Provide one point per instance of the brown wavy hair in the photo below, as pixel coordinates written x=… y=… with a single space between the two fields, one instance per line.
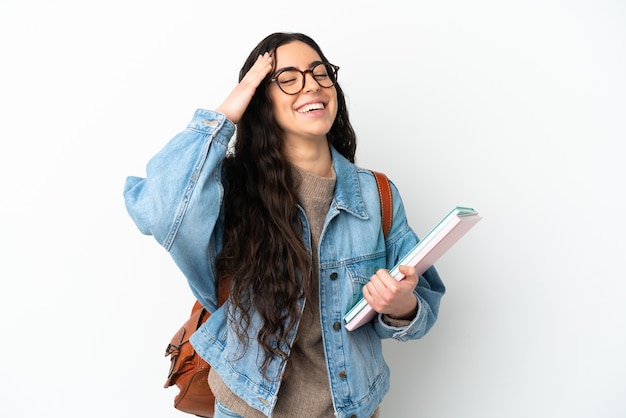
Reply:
x=263 y=250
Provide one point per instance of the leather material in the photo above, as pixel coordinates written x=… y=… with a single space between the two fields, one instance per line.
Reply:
x=386 y=202
x=188 y=370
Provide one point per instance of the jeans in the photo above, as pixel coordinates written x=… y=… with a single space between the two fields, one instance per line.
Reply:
x=222 y=412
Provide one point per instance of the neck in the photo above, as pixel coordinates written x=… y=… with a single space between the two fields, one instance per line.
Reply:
x=314 y=158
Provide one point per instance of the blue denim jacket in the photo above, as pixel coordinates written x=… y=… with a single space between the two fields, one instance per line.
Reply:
x=179 y=204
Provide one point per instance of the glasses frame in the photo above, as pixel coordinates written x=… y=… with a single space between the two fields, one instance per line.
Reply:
x=335 y=70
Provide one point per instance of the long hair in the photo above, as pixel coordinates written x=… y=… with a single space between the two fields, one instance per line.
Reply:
x=263 y=252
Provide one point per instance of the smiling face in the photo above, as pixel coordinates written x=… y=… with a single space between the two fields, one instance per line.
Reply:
x=309 y=114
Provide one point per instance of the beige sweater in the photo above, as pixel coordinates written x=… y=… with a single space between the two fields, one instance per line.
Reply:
x=305 y=389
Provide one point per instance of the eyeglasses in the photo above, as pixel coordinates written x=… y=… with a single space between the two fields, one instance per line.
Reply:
x=291 y=80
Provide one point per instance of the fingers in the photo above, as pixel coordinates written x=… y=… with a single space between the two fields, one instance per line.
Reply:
x=261 y=68
x=377 y=291
x=382 y=287
x=383 y=282
x=263 y=61
x=238 y=100
x=385 y=294
x=409 y=274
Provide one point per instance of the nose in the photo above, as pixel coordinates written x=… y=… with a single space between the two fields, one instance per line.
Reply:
x=310 y=84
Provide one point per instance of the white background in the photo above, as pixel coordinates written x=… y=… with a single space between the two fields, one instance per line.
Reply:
x=514 y=108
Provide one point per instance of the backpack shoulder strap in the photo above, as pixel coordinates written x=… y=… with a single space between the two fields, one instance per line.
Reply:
x=386 y=202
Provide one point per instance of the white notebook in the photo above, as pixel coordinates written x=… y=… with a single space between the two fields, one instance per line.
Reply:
x=428 y=250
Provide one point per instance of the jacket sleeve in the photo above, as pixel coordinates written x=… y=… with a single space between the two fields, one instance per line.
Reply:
x=179 y=201
x=430 y=288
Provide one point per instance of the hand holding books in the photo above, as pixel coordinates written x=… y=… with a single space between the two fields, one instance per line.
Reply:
x=428 y=250
x=394 y=297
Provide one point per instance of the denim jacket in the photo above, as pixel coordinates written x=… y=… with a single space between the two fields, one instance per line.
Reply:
x=179 y=203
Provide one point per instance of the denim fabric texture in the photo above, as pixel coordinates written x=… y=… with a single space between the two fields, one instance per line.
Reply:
x=179 y=204
x=222 y=411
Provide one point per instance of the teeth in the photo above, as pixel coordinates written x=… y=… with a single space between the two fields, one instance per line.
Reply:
x=310 y=107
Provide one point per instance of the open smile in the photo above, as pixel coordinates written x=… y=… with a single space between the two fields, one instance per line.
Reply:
x=310 y=107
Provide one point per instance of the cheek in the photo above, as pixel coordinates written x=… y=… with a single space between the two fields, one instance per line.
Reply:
x=282 y=113
x=280 y=107
x=335 y=105
x=334 y=111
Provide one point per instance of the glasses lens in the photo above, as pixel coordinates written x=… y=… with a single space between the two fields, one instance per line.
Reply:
x=290 y=81
x=324 y=74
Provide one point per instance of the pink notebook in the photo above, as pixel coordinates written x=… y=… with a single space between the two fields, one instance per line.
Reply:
x=439 y=240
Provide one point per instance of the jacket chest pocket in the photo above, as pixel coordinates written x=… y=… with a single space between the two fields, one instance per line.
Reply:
x=360 y=272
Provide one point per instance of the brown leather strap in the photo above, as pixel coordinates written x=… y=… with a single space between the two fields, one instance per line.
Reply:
x=386 y=205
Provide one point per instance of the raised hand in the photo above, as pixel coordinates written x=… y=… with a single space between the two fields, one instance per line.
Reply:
x=237 y=101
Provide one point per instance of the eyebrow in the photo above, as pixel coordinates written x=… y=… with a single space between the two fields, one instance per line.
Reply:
x=311 y=65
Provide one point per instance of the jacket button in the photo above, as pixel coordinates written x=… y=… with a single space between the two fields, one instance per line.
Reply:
x=333 y=276
x=352 y=416
x=337 y=326
x=343 y=374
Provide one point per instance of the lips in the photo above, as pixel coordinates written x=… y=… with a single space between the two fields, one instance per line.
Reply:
x=310 y=107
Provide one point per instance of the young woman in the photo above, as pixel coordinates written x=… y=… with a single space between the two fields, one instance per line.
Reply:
x=287 y=221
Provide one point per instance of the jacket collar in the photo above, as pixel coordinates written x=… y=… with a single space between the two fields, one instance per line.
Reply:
x=348 y=194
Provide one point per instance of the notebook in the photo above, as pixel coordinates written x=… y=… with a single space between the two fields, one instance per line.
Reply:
x=428 y=250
